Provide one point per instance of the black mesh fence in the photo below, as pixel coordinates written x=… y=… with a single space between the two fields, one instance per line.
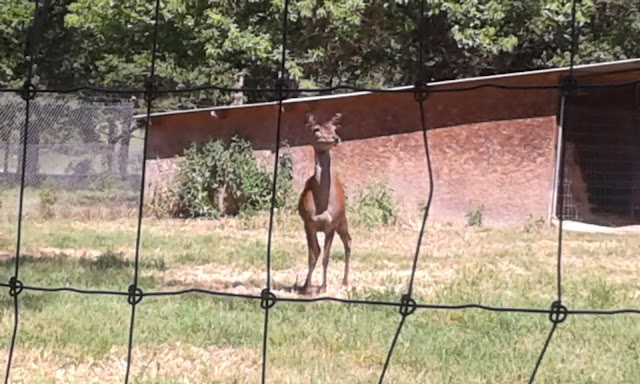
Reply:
x=70 y=145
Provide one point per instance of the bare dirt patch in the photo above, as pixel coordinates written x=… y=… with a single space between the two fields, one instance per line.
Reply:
x=251 y=281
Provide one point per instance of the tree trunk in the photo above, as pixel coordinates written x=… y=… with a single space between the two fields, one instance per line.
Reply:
x=6 y=141
x=32 y=164
x=123 y=154
x=111 y=143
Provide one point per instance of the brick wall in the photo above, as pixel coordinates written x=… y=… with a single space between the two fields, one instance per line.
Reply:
x=490 y=146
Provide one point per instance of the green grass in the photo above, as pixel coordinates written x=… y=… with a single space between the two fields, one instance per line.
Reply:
x=220 y=339
x=347 y=343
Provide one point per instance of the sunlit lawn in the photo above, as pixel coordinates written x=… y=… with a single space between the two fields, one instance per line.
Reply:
x=68 y=337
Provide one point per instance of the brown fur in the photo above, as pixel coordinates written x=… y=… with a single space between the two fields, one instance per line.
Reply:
x=322 y=202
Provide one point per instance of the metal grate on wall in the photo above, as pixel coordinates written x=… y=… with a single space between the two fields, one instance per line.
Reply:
x=569 y=208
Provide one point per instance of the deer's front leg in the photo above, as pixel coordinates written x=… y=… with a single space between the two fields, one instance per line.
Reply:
x=328 y=239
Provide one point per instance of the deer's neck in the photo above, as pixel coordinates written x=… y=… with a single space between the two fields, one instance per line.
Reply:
x=322 y=171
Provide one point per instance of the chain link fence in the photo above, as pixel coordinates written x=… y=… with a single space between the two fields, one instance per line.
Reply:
x=71 y=144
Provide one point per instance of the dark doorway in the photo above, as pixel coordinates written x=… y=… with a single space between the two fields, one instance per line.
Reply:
x=602 y=156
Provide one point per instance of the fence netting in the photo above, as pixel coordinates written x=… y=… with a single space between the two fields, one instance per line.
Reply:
x=94 y=144
x=67 y=137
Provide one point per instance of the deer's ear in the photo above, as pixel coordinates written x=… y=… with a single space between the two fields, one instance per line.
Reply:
x=337 y=120
x=309 y=120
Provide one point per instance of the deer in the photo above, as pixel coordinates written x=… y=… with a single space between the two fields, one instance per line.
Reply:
x=322 y=202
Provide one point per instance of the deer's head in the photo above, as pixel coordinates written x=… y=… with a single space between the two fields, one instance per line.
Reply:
x=324 y=133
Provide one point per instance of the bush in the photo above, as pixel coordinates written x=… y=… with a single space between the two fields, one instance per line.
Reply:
x=534 y=224
x=162 y=204
x=48 y=199
x=218 y=178
x=286 y=197
x=475 y=216
x=374 y=205
x=107 y=181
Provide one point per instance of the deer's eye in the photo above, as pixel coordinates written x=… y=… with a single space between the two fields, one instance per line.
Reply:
x=316 y=129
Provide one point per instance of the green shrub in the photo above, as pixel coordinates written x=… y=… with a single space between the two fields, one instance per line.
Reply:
x=286 y=196
x=107 y=181
x=374 y=205
x=162 y=203
x=534 y=224
x=475 y=216
x=48 y=199
x=218 y=178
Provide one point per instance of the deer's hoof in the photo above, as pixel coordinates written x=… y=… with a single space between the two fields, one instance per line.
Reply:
x=321 y=289
x=347 y=287
x=305 y=289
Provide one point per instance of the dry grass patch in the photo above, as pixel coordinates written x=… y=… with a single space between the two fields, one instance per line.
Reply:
x=252 y=280
x=175 y=362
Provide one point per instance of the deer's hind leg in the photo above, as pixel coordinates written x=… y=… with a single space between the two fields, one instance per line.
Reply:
x=343 y=232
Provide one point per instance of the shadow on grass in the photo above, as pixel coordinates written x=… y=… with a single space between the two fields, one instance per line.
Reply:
x=105 y=261
x=27 y=301
x=108 y=272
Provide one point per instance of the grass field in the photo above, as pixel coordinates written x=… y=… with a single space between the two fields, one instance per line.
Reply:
x=73 y=338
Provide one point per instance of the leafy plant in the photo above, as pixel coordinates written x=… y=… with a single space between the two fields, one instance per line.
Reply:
x=219 y=178
x=106 y=181
x=475 y=216
x=534 y=224
x=196 y=180
x=285 y=194
x=162 y=203
x=374 y=205
x=48 y=199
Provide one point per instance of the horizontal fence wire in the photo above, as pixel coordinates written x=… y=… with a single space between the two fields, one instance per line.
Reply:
x=308 y=300
x=406 y=305
x=432 y=88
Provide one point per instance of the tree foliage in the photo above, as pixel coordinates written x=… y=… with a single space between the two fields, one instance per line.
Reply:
x=367 y=43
